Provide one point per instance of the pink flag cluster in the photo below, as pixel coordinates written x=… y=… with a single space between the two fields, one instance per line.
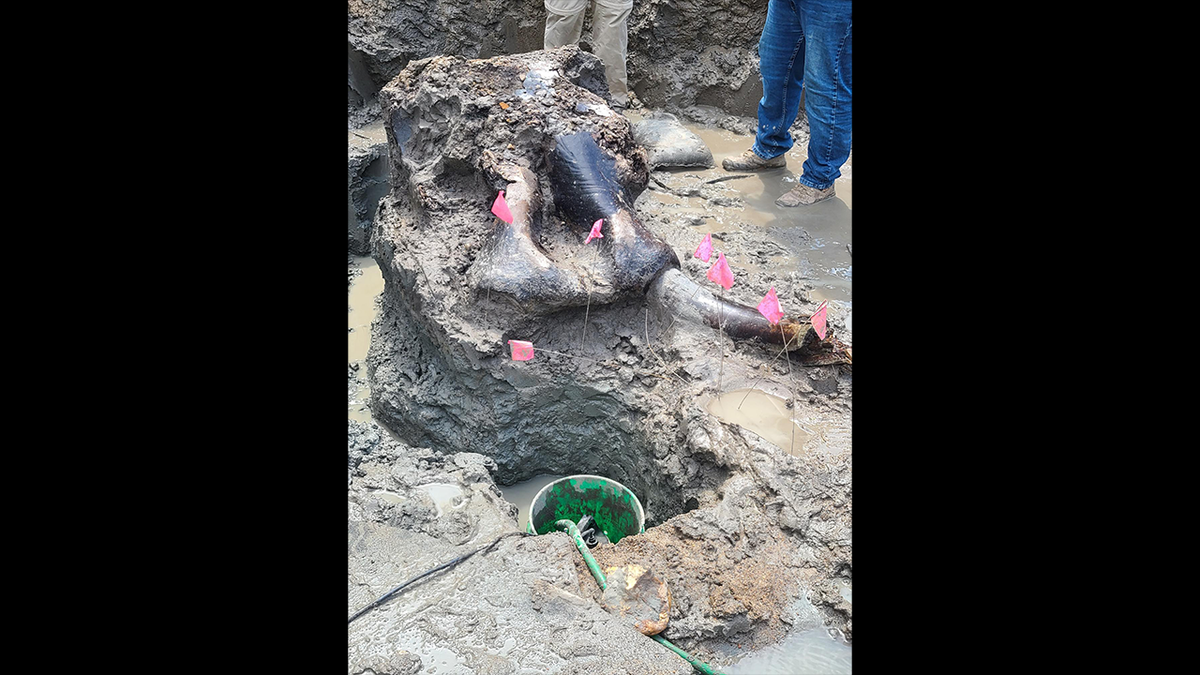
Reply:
x=720 y=273
x=769 y=306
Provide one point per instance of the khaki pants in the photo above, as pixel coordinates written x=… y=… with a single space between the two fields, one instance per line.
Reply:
x=610 y=36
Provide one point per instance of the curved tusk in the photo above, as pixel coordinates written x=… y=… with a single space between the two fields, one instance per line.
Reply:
x=686 y=299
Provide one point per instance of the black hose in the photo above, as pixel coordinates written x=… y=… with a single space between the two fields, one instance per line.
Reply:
x=383 y=598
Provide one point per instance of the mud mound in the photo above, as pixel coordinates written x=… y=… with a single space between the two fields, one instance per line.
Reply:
x=384 y=35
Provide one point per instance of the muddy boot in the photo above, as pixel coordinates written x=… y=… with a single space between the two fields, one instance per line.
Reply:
x=749 y=161
x=803 y=195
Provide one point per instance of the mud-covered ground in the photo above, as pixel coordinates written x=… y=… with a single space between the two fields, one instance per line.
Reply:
x=740 y=530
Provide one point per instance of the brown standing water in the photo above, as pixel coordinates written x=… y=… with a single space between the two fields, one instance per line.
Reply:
x=815 y=237
x=764 y=414
x=363 y=291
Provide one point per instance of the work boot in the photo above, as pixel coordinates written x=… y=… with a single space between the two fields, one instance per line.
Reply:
x=749 y=161
x=803 y=195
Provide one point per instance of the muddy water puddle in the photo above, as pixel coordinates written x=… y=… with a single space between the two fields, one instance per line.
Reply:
x=446 y=497
x=388 y=497
x=763 y=414
x=809 y=652
x=815 y=236
x=364 y=289
x=522 y=494
x=813 y=648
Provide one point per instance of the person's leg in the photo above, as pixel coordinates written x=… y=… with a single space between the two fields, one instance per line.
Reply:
x=564 y=22
x=781 y=64
x=610 y=41
x=781 y=61
x=828 y=87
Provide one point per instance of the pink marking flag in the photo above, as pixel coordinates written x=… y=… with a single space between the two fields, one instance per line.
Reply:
x=818 y=320
x=769 y=307
x=595 y=233
x=720 y=272
x=500 y=208
x=521 y=350
x=704 y=250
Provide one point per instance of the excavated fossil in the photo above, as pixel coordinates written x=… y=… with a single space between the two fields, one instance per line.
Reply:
x=534 y=126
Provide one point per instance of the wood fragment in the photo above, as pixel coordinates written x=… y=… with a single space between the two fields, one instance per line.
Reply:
x=724 y=178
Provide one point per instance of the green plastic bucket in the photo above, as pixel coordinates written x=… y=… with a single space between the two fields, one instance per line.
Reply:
x=616 y=509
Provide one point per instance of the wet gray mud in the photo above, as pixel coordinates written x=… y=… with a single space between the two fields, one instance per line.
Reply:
x=685 y=56
x=751 y=534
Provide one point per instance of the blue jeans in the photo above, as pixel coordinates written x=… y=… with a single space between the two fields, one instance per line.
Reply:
x=805 y=45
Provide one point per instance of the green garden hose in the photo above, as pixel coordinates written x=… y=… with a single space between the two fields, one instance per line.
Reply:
x=698 y=665
x=592 y=565
x=587 y=555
